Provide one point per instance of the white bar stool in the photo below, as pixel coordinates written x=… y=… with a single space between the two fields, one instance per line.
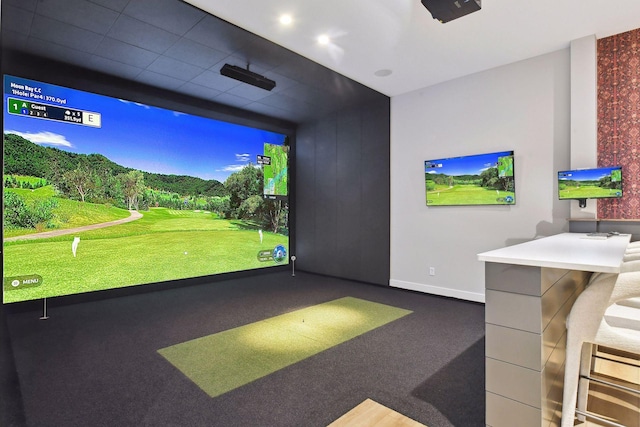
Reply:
x=587 y=325
x=631 y=256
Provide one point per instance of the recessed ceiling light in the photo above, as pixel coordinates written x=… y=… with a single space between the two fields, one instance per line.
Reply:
x=286 y=19
x=383 y=73
x=324 y=39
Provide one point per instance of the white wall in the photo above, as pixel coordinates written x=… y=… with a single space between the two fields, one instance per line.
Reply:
x=584 y=114
x=523 y=107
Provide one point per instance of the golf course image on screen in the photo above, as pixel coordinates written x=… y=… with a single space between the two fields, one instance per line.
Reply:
x=102 y=193
x=593 y=183
x=276 y=172
x=480 y=179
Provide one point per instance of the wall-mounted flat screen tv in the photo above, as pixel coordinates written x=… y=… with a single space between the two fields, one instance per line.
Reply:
x=102 y=193
x=479 y=179
x=593 y=183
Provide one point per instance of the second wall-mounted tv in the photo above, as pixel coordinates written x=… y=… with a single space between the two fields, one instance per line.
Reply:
x=479 y=179
x=591 y=183
x=103 y=193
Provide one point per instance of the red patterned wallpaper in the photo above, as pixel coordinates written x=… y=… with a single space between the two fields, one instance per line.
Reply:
x=619 y=119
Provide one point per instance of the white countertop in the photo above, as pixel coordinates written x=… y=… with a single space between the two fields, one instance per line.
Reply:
x=571 y=251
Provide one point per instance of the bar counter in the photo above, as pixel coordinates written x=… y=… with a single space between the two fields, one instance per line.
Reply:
x=529 y=290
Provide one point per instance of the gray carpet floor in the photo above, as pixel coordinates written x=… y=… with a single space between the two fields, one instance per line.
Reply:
x=96 y=363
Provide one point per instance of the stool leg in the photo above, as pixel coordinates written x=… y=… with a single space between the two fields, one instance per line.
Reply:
x=583 y=383
x=571 y=374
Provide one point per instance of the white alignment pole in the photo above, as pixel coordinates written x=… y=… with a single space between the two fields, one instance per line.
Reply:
x=44 y=310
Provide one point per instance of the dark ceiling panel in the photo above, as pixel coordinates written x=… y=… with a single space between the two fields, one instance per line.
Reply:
x=195 y=53
x=51 y=30
x=171 y=15
x=20 y=22
x=282 y=83
x=174 y=68
x=58 y=52
x=214 y=80
x=239 y=60
x=257 y=107
x=80 y=13
x=125 y=53
x=228 y=98
x=13 y=39
x=171 y=45
x=141 y=34
x=298 y=68
x=117 y=5
x=199 y=91
x=219 y=35
x=24 y=4
x=110 y=66
x=287 y=103
x=159 y=80
x=249 y=92
x=266 y=54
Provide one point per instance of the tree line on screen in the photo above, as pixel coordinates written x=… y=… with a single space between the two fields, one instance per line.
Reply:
x=93 y=178
x=604 y=182
x=489 y=178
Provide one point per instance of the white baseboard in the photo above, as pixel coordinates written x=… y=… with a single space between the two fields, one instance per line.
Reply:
x=436 y=290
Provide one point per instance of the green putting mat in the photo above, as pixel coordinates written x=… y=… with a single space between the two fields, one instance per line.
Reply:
x=224 y=361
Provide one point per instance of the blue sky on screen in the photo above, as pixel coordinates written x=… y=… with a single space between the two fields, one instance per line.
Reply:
x=465 y=165
x=586 y=174
x=142 y=137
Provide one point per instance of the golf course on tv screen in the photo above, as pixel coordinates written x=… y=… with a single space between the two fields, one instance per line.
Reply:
x=595 y=183
x=102 y=193
x=480 y=179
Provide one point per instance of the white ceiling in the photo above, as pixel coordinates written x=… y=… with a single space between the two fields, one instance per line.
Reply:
x=401 y=36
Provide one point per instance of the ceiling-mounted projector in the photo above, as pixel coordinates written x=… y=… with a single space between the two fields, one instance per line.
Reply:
x=448 y=10
x=246 y=76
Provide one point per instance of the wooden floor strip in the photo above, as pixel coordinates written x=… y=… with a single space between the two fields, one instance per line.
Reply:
x=621 y=407
x=372 y=414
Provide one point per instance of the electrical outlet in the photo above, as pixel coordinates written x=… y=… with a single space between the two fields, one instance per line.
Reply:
x=432 y=271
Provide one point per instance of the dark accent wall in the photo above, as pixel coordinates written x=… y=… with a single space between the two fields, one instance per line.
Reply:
x=342 y=197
